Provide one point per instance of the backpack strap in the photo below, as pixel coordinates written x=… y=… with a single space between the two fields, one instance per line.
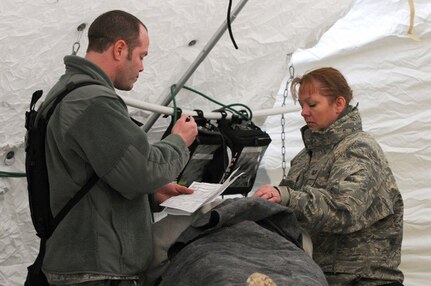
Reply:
x=73 y=201
x=91 y=182
x=69 y=88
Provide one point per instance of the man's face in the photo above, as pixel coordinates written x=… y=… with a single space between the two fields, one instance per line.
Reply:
x=132 y=64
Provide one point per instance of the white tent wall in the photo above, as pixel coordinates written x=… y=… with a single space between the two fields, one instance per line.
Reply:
x=37 y=34
x=390 y=75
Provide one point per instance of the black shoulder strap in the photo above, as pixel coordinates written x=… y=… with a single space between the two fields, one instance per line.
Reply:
x=73 y=201
x=91 y=182
x=69 y=87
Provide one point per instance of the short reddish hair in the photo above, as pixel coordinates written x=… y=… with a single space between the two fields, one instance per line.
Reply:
x=330 y=82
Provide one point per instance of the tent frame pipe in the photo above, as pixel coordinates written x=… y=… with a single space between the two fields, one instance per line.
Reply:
x=205 y=51
x=159 y=109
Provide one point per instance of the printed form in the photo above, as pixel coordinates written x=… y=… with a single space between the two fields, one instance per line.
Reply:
x=202 y=193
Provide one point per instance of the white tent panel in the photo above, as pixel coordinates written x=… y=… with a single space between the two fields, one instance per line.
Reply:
x=36 y=35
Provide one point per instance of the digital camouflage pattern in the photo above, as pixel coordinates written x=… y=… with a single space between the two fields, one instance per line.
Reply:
x=345 y=195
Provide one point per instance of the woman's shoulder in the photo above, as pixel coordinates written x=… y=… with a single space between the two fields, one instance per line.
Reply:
x=360 y=142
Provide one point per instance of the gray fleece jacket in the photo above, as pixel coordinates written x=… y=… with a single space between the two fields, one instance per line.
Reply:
x=108 y=232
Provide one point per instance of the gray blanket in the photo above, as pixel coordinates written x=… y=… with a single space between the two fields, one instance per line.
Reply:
x=237 y=238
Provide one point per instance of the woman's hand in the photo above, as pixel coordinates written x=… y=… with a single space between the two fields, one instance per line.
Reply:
x=269 y=193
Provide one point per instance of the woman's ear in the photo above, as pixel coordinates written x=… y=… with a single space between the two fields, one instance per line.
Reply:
x=340 y=104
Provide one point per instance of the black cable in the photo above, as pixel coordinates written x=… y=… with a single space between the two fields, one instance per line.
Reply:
x=229 y=25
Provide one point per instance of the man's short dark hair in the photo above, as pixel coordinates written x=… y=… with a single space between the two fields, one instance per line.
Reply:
x=112 y=26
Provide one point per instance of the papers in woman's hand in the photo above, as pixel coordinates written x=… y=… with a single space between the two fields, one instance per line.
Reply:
x=203 y=193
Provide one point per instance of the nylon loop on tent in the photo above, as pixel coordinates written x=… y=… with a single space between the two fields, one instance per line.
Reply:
x=283 y=119
x=76 y=45
x=412 y=21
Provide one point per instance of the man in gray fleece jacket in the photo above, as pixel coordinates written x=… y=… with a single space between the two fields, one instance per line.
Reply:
x=106 y=238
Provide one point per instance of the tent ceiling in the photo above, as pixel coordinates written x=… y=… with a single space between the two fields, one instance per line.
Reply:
x=36 y=35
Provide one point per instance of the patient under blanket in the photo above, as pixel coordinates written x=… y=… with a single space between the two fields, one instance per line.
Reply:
x=237 y=238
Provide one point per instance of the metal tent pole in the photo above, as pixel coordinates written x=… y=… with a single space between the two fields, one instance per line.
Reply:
x=205 y=51
x=160 y=109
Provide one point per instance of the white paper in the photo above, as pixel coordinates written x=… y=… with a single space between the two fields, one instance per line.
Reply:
x=202 y=193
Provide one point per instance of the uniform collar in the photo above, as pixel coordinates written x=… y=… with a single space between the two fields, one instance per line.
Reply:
x=349 y=122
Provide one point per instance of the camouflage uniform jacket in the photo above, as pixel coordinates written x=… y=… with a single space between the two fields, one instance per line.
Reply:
x=345 y=195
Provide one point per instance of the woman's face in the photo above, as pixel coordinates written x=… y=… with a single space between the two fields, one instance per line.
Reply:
x=319 y=111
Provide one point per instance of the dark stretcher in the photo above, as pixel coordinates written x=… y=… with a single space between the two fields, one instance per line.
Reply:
x=237 y=238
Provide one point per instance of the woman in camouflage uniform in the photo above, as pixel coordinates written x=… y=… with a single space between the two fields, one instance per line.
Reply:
x=341 y=187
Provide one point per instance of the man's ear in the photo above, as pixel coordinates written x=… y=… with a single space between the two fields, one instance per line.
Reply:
x=119 y=49
x=340 y=104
